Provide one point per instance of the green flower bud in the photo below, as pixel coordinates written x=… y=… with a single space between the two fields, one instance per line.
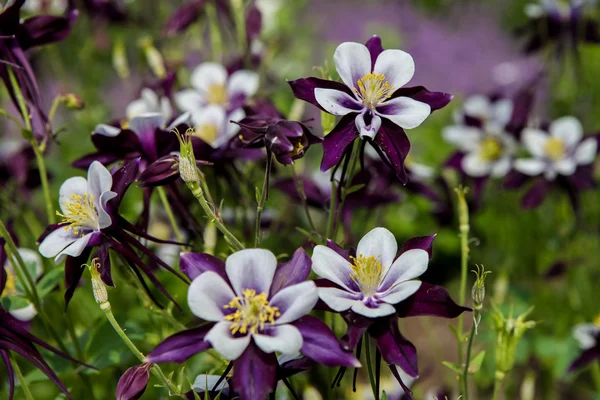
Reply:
x=73 y=101
x=98 y=286
x=478 y=290
x=187 y=161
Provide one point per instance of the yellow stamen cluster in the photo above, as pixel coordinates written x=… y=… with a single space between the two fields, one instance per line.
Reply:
x=207 y=132
x=373 y=89
x=252 y=311
x=217 y=94
x=491 y=149
x=80 y=212
x=298 y=147
x=10 y=288
x=367 y=274
x=554 y=149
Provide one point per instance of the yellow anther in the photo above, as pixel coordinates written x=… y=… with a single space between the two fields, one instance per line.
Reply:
x=491 y=149
x=207 y=132
x=373 y=89
x=252 y=312
x=298 y=147
x=217 y=94
x=554 y=148
x=367 y=274
x=80 y=212
x=10 y=287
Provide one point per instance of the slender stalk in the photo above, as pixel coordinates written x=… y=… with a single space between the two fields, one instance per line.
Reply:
x=498 y=385
x=156 y=371
x=303 y=198
x=54 y=107
x=353 y=162
x=595 y=371
x=465 y=374
x=45 y=186
x=20 y=99
x=332 y=210
x=216 y=41
x=261 y=202
x=21 y=379
x=463 y=217
x=165 y=202
x=370 y=368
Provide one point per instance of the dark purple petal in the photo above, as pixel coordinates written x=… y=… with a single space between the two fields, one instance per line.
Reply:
x=161 y=172
x=9 y=371
x=254 y=373
x=73 y=272
x=3 y=257
x=536 y=194
x=430 y=300
x=253 y=23
x=122 y=178
x=436 y=100
x=46 y=29
x=194 y=264
x=183 y=17
x=304 y=88
x=296 y=270
x=337 y=141
x=357 y=326
x=375 y=49
x=105 y=265
x=9 y=18
x=392 y=140
x=339 y=249
x=104 y=158
x=133 y=382
x=420 y=242
x=181 y=346
x=394 y=347
x=586 y=357
x=321 y=345
x=515 y=180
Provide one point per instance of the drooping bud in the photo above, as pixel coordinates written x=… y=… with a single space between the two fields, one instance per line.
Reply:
x=133 y=382
x=98 y=286
x=509 y=332
x=72 y=101
x=161 y=172
x=153 y=57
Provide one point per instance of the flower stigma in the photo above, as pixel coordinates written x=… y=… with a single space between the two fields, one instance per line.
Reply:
x=251 y=313
x=367 y=274
x=373 y=89
x=554 y=149
x=80 y=212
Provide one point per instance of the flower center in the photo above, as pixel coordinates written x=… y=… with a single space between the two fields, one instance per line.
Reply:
x=80 y=212
x=491 y=149
x=373 y=89
x=367 y=274
x=207 y=132
x=10 y=288
x=298 y=147
x=554 y=149
x=252 y=311
x=217 y=94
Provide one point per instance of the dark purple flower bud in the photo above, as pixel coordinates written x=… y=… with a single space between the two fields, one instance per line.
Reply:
x=161 y=172
x=133 y=382
x=183 y=17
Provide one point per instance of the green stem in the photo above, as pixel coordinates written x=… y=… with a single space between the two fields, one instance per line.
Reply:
x=216 y=41
x=165 y=201
x=21 y=379
x=350 y=173
x=465 y=374
x=54 y=107
x=332 y=210
x=370 y=367
x=595 y=370
x=44 y=179
x=463 y=217
x=261 y=202
x=198 y=193
x=156 y=371
x=498 y=385
x=303 y=198
x=20 y=99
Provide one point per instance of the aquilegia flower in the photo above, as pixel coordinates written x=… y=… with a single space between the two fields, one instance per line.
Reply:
x=374 y=287
x=254 y=309
x=372 y=101
x=150 y=102
x=13 y=288
x=588 y=336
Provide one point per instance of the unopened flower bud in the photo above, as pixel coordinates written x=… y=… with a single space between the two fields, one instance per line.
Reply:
x=478 y=290
x=98 y=287
x=161 y=172
x=133 y=382
x=119 y=59
x=73 y=101
x=154 y=58
x=187 y=161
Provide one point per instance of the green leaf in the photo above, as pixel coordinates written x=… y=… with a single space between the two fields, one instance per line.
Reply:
x=476 y=362
x=383 y=395
x=453 y=367
x=27 y=134
x=11 y=303
x=49 y=282
x=353 y=189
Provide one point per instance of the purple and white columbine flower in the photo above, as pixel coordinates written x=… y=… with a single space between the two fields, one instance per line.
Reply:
x=150 y=102
x=372 y=101
x=83 y=209
x=558 y=152
x=480 y=134
x=212 y=85
x=374 y=282
x=588 y=336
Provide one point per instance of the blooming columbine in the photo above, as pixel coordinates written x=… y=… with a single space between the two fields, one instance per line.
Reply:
x=559 y=152
x=372 y=100
x=13 y=288
x=150 y=102
x=486 y=148
x=255 y=308
x=588 y=336
x=83 y=211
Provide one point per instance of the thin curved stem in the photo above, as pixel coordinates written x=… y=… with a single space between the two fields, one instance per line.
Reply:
x=165 y=202
x=261 y=202
x=370 y=368
x=465 y=374
x=21 y=379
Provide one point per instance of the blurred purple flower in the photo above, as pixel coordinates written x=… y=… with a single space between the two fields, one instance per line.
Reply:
x=588 y=336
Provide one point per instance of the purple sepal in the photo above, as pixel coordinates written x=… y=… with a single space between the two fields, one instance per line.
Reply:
x=375 y=49
x=133 y=382
x=392 y=140
x=357 y=326
x=122 y=179
x=304 y=88
x=419 y=242
x=183 y=17
x=292 y=272
x=46 y=29
x=436 y=100
x=181 y=346
x=3 y=257
x=161 y=172
x=337 y=141
x=194 y=264
x=10 y=371
x=586 y=357
x=73 y=272
x=105 y=265
x=321 y=345
x=430 y=300
x=394 y=347
x=254 y=374
x=536 y=194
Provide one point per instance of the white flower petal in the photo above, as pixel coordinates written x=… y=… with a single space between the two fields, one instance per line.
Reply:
x=364 y=130
x=251 y=269
x=295 y=301
x=330 y=265
x=208 y=74
x=530 y=166
x=550 y=173
x=285 y=339
x=188 y=100
x=104 y=220
x=586 y=335
x=243 y=82
x=501 y=167
x=565 y=167
x=56 y=241
x=352 y=62
x=99 y=179
x=586 y=151
x=501 y=112
x=207 y=295
x=147 y=123
x=464 y=138
x=224 y=343
x=411 y=264
x=136 y=107
x=405 y=112
x=182 y=119
x=379 y=243
x=165 y=108
x=212 y=114
x=337 y=102
x=398 y=67
x=32 y=257
x=477 y=106
x=382 y=310
x=337 y=299
x=76 y=185
x=150 y=98
x=400 y=292
x=24 y=314
x=567 y=129
x=106 y=130
x=74 y=249
x=475 y=166
x=232 y=129
x=204 y=383
x=534 y=141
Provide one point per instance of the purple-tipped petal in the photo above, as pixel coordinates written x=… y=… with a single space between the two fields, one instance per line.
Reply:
x=181 y=346
x=420 y=242
x=304 y=88
x=194 y=264
x=436 y=100
x=133 y=382
x=375 y=49
x=337 y=141
x=585 y=358
x=430 y=300
x=321 y=345
x=296 y=270
x=394 y=143
x=254 y=374
x=394 y=347
x=122 y=179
